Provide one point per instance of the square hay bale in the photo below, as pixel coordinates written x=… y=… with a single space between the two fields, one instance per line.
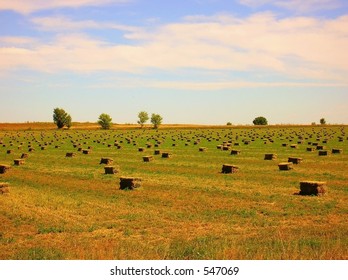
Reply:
x=147 y=158
x=270 y=156
x=4 y=187
x=202 y=149
x=110 y=170
x=79 y=149
x=219 y=147
x=149 y=146
x=106 y=161
x=235 y=152
x=4 y=168
x=229 y=168
x=24 y=155
x=141 y=149
x=295 y=160
x=70 y=154
x=43 y=148
x=10 y=151
x=166 y=155
x=312 y=188
x=323 y=153
x=225 y=148
x=157 y=152
x=284 y=144
x=236 y=144
x=293 y=146
x=19 y=161
x=86 y=151
x=321 y=147
x=337 y=151
x=130 y=183
x=285 y=166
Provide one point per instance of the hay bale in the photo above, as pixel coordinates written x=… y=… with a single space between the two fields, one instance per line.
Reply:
x=86 y=152
x=295 y=160
x=225 y=148
x=147 y=158
x=10 y=151
x=293 y=146
x=337 y=151
x=141 y=149
x=235 y=152
x=323 y=153
x=270 y=156
x=284 y=144
x=4 y=168
x=219 y=147
x=110 y=170
x=321 y=147
x=229 y=168
x=166 y=155
x=24 y=155
x=19 y=161
x=310 y=149
x=312 y=188
x=4 y=187
x=202 y=149
x=285 y=166
x=157 y=152
x=129 y=183
x=70 y=154
x=106 y=161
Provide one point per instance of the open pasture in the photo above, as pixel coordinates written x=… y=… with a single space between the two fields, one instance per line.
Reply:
x=61 y=207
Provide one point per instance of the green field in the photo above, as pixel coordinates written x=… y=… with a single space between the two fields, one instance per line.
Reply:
x=67 y=208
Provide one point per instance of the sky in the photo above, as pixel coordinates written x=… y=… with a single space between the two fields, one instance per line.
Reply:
x=191 y=61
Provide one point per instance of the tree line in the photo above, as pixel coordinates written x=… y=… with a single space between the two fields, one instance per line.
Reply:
x=62 y=119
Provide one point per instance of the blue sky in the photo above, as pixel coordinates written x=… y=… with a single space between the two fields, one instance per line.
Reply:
x=193 y=61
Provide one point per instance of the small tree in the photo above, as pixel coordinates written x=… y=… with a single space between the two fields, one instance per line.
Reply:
x=322 y=121
x=143 y=118
x=260 y=121
x=105 y=121
x=228 y=123
x=61 y=118
x=156 y=120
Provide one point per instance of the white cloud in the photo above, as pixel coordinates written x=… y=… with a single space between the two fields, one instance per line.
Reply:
x=294 y=48
x=296 y=5
x=29 y=6
x=61 y=23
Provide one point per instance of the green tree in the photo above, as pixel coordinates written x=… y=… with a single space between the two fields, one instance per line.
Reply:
x=61 y=118
x=143 y=118
x=156 y=120
x=260 y=121
x=322 y=121
x=105 y=121
x=228 y=123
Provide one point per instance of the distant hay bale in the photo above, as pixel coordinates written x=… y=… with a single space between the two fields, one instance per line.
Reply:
x=70 y=154
x=285 y=166
x=106 y=161
x=312 y=188
x=9 y=151
x=79 y=149
x=141 y=149
x=202 y=149
x=4 y=187
x=270 y=156
x=86 y=151
x=166 y=155
x=219 y=147
x=321 y=147
x=229 y=168
x=4 y=168
x=148 y=146
x=19 y=161
x=323 y=153
x=336 y=151
x=129 y=183
x=293 y=146
x=147 y=158
x=43 y=148
x=225 y=148
x=295 y=160
x=236 y=144
x=310 y=149
x=157 y=152
x=24 y=155
x=111 y=170
x=235 y=152
x=284 y=144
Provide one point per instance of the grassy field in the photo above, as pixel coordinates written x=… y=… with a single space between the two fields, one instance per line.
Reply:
x=67 y=208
